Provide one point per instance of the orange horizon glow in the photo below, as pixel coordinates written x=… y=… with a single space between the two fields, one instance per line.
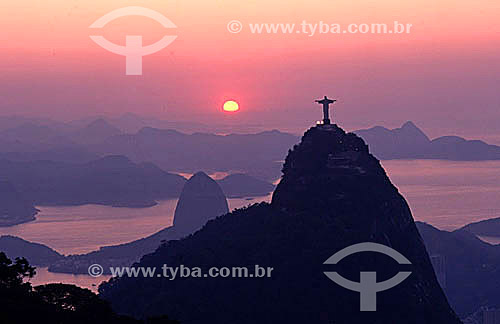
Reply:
x=51 y=67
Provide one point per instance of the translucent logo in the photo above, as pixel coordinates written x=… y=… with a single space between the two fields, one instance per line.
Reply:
x=133 y=49
x=368 y=285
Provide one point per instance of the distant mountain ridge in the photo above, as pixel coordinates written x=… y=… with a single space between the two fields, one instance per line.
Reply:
x=14 y=207
x=409 y=142
x=488 y=227
x=95 y=132
x=254 y=154
x=471 y=268
x=112 y=180
x=150 y=140
x=166 y=144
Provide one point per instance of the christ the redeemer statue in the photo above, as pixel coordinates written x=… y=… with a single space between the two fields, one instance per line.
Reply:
x=326 y=106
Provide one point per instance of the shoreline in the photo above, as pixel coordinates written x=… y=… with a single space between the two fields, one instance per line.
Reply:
x=19 y=222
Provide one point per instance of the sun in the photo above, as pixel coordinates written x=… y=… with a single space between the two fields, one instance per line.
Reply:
x=231 y=106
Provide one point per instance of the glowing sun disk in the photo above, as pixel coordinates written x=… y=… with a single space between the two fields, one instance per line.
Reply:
x=231 y=105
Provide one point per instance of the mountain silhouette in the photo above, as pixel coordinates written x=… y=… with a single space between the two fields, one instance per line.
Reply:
x=14 y=207
x=74 y=154
x=257 y=154
x=83 y=140
x=36 y=134
x=23 y=139
x=471 y=268
x=152 y=140
x=397 y=143
x=333 y=194
x=37 y=254
x=13 y=121
x=112 y=180
x=95 y=132
x=409 y=142
x=29 y=137
x=488 y=227
x=132 y=123
x=239 y=185
x=201 y=200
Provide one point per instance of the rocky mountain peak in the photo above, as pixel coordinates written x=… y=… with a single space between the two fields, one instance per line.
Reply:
x=333 y=194
x=411 y=130
x=201 y=200
x=325 y=167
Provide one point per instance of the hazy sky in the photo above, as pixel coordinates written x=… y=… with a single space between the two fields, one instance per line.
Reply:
x=444 y=75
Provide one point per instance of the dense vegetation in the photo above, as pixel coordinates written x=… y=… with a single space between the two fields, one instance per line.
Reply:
x=20 y=303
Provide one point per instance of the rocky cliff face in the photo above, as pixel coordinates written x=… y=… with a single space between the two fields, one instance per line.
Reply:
x=201 y=199
x=14 y=208
x=333 y=194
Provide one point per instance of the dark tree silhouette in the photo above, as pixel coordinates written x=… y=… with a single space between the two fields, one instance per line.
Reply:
x=12 y=274
x=20 y=303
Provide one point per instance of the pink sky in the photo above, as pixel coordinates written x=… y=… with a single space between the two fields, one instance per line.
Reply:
x=444 y=75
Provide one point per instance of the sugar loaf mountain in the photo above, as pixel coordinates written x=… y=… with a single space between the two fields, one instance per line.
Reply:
x=201 y=199
x=333 y=193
